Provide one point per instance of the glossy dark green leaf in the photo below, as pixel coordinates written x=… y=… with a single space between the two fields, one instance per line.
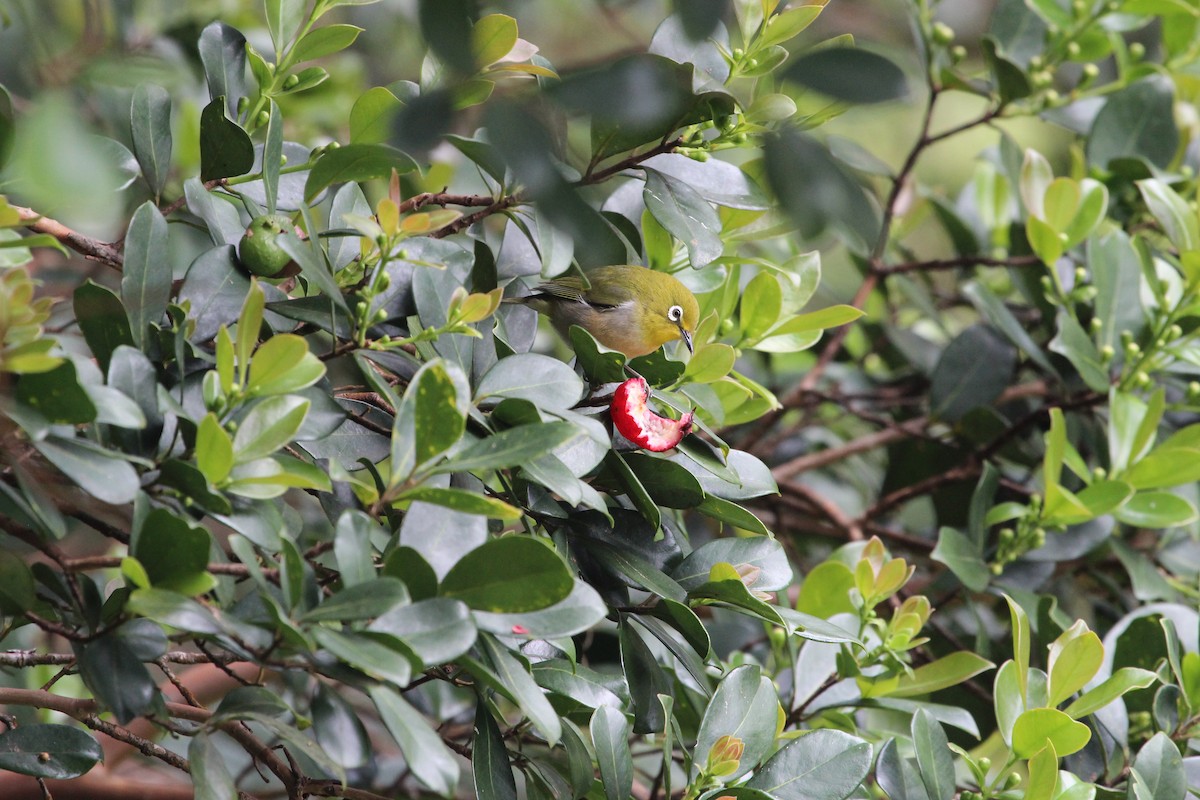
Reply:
x=489 y=759
x=764 y=554
x=511 y=447
x=430 y=760
x=933 y=756
x=849 y=74
x=174 y=552
x=446 y=27
x=581 y=609
x=115 y=673
x=17 y=591
x=816 y=191
x=58 y=752
x=366 y=653
x=1159 y=770
x=97 y=471
x=225 y=148
x=411 y=567
x=963 y=557
x=509 y=575
x=700 y=17
x=635 y=569
x=897 y=775
x=57 y=395
x=223 y=54
x=361 y=601
x=972 y=372
x=646 y=678
x=547 y=382
x=338 y=729
x=146 y=274
x=356 y=162
x=272 y=156
x=745 y=706
x=610 y=737
x=686 y=215
x=438 y=630
x=822 y=765
x=733 y=514
x=513 y=672
x=102 y=320
x=209 y=773
x=1136 y=122
x=150 y=124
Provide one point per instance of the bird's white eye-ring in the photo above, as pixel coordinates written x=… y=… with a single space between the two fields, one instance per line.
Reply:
x=675 y=313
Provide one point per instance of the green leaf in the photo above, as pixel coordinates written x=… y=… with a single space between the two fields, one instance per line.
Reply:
x=610 y=736
x=933 y=756
x=97 y=471
x=763 y=553
x=946 y=671
x=467 y=502
x=146 y=274
x=788 y=24
x=511 y=447
x=112 y=668
x=270 y=424
x=509 y=575
x=745 y=706
x=1043 y=775
x=849 y=74
x=338 y=729
x=223 y=54
x=372 y=115
x=489 y=760
x=272 y=156
x=102 y=321
x=822 y=765
x=57 y=395
x=972 y=372
x=964 y=558
x=513 y=674
x=581 y=610
x=1159 y=769
x=174 y=553
x=1021 y=635
x=1118 y=684
x=437 y=630
x=1136 y=122
x=1073 y=664
x=686 y=215
x=547 y=382
x=17 y=591
x=709 y=363
x=1038 y=727
x=150 y=126
x=424 y=751
x=356 y=162
x=492 y=38
x=360 y=602
x=57 y=752
x=175 y=610
x=761 y=304
x=324 y=41
x=733 y=514
x=225 y=148
x=284 y=18
x=1173 y=213
x=214 y=449
x=283 y=364
x=208 y=770
x=1156 y=510
x=367 y=654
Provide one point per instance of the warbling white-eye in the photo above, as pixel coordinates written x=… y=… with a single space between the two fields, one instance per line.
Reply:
x=632 y=309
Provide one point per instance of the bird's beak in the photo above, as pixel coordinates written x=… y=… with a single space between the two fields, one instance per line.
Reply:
x=687 y=338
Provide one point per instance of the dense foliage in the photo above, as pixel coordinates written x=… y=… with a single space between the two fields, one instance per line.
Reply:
x=293 y=504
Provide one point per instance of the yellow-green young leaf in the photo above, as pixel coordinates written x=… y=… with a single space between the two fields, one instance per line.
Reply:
x=214 y=449
x=1039 y=727
x=1093 y=203
x=1120 y=682
x=826 y=590
x=1044 y=240
x=1073 y=664
x=462 y=500
x=132 y=569
x=823 y=319
x=762 y=302
x=283 y=364
x=1020 y=624
x=225 y=360
x=1056 y=447
x=946 y=671
x=492 y=38
x=709 y=363
x=30 y=358
x=298 y=474
x=1060 y=203
x=1190 y=667
x=788 y=25
x=249 y=323
x=1007 y=699
x=437 y=423
x=659 y=246
x=1043 y=775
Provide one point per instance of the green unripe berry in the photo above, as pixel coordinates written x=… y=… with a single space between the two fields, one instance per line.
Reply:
x=1107 y=353
x=259 y=249
x=1036 y=62
x=1137 y=51
x=1080 y=275
x=1073 y=50
x=1078 y=7
x=263 y=118
x=1132 y=350
x=381 y=315
x=958 y=53
x=242 y=104
x=1126 y=337
x=1012 y=781
x=942 y=33
x=282 y=159
x=1099 y=473
x=985 y=763
x=739 y=52
x=1174 y=332
x=751 y=63
x=1090 y=72
x=290 y=81
x=1096 y=324
x=1141 y=378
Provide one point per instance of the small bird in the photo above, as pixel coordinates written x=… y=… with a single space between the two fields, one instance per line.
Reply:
x=632 y=309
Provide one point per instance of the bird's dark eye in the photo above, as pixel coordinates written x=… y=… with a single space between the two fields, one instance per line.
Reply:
x=674 y=313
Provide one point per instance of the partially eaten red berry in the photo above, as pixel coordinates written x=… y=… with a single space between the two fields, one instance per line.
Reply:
x=635 y=421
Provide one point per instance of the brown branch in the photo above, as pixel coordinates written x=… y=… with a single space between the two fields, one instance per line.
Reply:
x=444 y=199
x=20 y=659
x=955 y=263
x=94 y=249
x=832 y=512
x=871 y=441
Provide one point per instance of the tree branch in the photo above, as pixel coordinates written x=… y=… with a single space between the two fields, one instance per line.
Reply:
x=94 y=249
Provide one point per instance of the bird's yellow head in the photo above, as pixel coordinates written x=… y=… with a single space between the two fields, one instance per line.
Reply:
x=667 y=310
